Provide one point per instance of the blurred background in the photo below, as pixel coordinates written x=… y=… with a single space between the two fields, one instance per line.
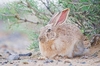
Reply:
x=20 y=20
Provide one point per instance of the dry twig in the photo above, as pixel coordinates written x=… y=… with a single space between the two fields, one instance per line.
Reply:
x=48 y=8
x=25 y=20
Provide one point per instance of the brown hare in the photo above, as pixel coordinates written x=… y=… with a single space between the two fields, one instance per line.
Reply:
x=61 y=38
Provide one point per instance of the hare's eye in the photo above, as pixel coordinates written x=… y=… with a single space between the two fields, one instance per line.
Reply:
x=49 y=30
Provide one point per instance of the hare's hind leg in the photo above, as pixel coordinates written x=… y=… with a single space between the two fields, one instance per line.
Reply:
x=78 y=49
x=70 y=52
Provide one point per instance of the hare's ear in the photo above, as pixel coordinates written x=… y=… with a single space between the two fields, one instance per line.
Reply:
x=63 y=16
x=60 y=17
x=53 y=20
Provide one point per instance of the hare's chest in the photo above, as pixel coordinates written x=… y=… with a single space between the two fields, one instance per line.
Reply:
x=60 y=44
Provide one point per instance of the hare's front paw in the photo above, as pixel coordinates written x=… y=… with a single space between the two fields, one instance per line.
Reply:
x=42 y=58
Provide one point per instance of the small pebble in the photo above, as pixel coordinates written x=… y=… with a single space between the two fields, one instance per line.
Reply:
x=41 y=58
x=25 y=62
x=32 y=61
x=84 y=57
x=14 y=57
x=70 y=64
x=67 y=61
x=94 y=55
x=35 y=61
x=51 y=61
x=11 y=62
x=48 y=61
x=0 y=55
x=83 y=62
x=5 y=62
x=59 y=61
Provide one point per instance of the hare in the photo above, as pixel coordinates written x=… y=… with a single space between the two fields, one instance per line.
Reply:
x=61 y=38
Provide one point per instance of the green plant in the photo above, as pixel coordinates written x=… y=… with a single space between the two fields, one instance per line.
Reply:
x=85 y=13
x=34 y=44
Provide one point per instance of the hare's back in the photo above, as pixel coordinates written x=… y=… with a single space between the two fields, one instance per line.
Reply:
x=74 y=31
x=70 y=30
